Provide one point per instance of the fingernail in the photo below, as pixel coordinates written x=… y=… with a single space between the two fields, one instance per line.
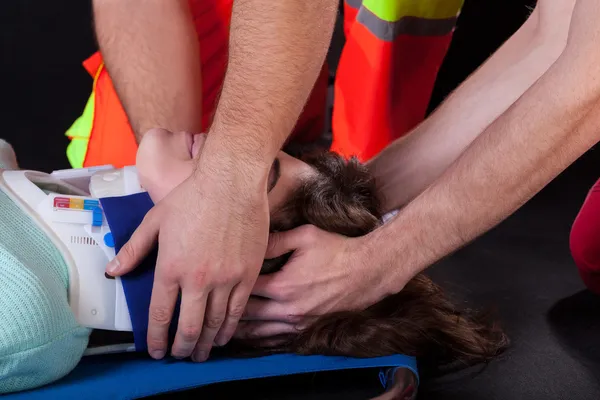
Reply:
x=157 y=354
x=113 y=266
x=221 y=341
x=199 y=357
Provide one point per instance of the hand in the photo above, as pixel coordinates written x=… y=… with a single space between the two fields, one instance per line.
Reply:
x=8 y=158
x=213 y=231
x=326 y=273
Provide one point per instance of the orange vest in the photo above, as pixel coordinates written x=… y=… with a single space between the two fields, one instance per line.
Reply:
x=102 y=134
x=387 y=70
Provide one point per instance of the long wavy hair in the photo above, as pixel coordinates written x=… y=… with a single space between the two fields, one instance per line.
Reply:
x=418 y=321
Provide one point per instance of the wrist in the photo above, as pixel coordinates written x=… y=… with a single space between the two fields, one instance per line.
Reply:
x=392 y=255
x=234 y=160
x=259 y=142
x=242 y=146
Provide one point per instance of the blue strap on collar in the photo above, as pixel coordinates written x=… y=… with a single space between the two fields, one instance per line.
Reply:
x=124 y=214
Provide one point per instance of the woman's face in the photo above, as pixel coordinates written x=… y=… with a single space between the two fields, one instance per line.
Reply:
x=165 y=159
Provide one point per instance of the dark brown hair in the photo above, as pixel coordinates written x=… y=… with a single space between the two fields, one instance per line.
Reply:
x=418 y=321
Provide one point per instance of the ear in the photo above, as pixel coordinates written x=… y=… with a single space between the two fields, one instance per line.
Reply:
x=8 y=158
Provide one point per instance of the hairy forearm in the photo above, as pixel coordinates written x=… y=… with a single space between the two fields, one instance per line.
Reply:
x=410 y=164
x=548 y=128
x=277 y=49
x=151 y=52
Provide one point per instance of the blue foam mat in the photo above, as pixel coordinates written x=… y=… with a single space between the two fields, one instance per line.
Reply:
x=132 y=376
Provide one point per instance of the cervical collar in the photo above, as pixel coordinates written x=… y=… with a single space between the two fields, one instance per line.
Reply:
x=65 y=205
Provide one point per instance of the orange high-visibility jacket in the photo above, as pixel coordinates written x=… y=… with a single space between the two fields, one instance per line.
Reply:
x=102 y=134
x=387 y=70
x=384 y=81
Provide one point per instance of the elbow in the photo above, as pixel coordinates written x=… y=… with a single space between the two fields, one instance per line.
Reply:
x=550 y=23
x=553 y=18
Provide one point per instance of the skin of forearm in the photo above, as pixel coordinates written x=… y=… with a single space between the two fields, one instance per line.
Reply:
x=546 y=130
x=151 y=52
x=406 y=167
x=277 y=49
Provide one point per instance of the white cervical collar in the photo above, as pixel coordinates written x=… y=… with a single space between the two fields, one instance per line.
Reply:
x=62 y=204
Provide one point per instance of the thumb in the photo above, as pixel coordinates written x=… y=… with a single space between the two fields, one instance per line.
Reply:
x=138 y=247
x=281 y=243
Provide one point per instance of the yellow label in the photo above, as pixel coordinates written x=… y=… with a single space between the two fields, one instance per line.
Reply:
x=76 y=203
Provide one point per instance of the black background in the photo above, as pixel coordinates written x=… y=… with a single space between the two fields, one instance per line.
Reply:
x=522 y=268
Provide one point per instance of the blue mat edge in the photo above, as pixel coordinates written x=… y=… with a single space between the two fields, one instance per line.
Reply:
x=150 y=377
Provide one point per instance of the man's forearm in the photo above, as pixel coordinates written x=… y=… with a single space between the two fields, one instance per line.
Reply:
x=406 y=167
x=151 y=52
x=277 y=49
x=547 y=129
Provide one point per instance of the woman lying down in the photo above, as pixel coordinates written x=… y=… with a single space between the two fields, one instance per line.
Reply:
x=41 y=341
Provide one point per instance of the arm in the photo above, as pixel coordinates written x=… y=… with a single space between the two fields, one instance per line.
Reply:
x=406 y=167
x=277 y=49
x=212 y=250
x=547 y=129
x=151 y=52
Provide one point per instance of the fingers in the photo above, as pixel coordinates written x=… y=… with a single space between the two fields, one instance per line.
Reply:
x=268 y=286
x=237 y=304
x=281 y=243
x=213 y=319
x=189 y=328
x=269 y=310
x=258 y=330
x=138 y=246
x=162 y=304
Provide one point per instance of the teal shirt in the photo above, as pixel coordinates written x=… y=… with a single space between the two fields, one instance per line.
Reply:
x=40 y=340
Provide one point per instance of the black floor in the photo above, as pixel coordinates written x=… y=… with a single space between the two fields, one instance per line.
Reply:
x=522 y=268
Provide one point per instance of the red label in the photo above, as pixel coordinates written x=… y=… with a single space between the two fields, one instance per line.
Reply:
x=62 y=202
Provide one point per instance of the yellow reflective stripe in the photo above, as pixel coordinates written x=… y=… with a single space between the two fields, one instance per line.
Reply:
x=81 y=129
x=389 y=31
x=82 y=126
x=76 y=151
x=79 y=133
x=394 y=10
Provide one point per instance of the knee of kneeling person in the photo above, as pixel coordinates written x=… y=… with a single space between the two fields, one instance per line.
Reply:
x=40 y=340
x=584 y=243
